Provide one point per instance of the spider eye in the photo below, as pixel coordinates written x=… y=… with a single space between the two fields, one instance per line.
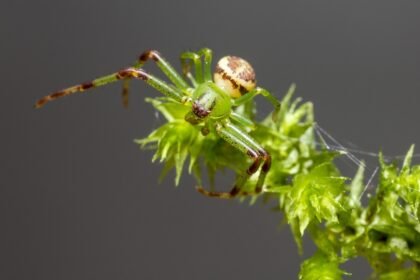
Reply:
x=234 y=75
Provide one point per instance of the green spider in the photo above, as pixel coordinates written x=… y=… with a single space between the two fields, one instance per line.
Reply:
x=211 y=101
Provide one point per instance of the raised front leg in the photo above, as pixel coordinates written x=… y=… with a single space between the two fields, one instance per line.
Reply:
x=125 y=74
x=163 y=64
x=244 y=143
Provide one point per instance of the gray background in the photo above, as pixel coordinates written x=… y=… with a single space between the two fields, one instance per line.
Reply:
x=80 y=201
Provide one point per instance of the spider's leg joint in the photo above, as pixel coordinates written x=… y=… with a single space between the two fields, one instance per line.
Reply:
x=150 y=54
x=132 y=73
x=267 y=160
x=256 y=163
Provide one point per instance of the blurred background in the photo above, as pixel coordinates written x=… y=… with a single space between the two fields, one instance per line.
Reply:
x=79 y=200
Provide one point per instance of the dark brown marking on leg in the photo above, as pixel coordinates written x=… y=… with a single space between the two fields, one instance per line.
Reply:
x=256 y=162
x=258 y=157
x=41 y=102
x=122 y=74
x=233 y=192
x=267 y=164
x=51 y=97
x=267 y=160
x=58 y=94
x=251 y=153
x=86 y=85
x=254 y=166
x=132 y=73
x=150 y=54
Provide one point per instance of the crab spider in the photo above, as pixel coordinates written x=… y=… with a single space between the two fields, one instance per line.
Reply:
x=211 y=102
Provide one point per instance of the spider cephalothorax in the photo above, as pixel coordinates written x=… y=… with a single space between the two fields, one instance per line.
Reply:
x=212 y=102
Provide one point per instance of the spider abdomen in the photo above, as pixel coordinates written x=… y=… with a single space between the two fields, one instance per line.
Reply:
x=235 y=76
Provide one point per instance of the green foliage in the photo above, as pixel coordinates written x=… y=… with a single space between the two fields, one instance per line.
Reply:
x=320 y=267
x=315 y=197
x=174 y=141
x=310 y=190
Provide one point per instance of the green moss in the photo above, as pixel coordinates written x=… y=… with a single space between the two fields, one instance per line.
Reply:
x=310 y=189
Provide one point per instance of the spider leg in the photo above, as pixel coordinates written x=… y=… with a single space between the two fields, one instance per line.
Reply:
x=243 y=121
x=251 y=94
x=128 y=73
x=247 y=145
x=163 y=64
x=208 y=56
x=189 y=58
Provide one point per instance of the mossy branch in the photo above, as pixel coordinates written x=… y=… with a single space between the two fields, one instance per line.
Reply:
x=309 y=189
